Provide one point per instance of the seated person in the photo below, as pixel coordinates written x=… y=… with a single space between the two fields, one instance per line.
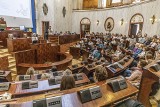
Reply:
x=67 y=82
x=142 y=54
x=34 y=38
x=134 y=75
x=100 y=44
x=153 y=44
x=67 y=72
x=78 y=45
x=31 y=71
x=138 y=51
x=46 y=76
x=149 y=58
x=100 y=73
x=53 y=69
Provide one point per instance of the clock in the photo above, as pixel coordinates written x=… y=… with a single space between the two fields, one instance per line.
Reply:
x=45 y=9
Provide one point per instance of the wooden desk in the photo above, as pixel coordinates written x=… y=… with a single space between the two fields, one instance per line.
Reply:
x=4 y=63
x=6 y=77
x=16 y=33
x=70 y=97
x=75 y=52
x=18 y=44
x=75 y=70
x=119 y=70
x=43 y=86
x=148 y=78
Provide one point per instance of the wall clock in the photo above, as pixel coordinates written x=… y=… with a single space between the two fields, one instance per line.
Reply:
x=45 y=9
x=109 y=24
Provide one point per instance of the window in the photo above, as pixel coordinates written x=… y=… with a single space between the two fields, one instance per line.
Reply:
x=104 y=2
x=116 y=1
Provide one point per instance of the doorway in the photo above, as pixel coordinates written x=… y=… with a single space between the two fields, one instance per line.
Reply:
x=85 y=26
x=136 y=24
x=135 y=28
x=45 y=27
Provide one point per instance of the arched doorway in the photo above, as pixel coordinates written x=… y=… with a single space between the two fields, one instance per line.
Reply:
x=85 y=26
x=136 y=24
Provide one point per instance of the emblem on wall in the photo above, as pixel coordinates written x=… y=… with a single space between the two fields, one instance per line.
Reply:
x=45 y=9
x=109 y=24
x=64 y=11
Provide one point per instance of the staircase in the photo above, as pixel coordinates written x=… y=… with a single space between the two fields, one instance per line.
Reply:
x=12 y=62
x=1 y=46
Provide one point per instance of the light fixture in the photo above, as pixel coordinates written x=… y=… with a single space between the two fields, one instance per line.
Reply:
x=97 y=22
x=153 y=19
x=122 y=21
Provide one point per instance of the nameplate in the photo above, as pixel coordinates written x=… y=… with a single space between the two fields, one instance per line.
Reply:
x=75 y=66
x=90 y=94
x=85 y=95
x=24 y=77
x=95 y=92
x=4 y=86
x=2 y=72
x=155 y=67
x=58 y=79
x=38 y=76
x=57 y=73
x=39 y=103
x=51 y=81
x=25 y=85
x=78 y=77
x=117 y=83
x=33 y=84
x=54 y=101
x=27 y=77
x=122 y=83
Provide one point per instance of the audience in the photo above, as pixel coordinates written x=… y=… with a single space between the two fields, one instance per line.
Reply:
x=67 y=82
x=100 y=73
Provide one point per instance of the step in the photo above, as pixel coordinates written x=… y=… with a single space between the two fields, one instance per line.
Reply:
x=12 y=60
x=11 y=66
x=14 y=69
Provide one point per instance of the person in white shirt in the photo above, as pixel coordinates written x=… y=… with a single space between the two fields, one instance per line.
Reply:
x=34 y=38
x=50 y=31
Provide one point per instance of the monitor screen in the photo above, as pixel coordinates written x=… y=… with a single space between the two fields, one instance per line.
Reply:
x=22 y=28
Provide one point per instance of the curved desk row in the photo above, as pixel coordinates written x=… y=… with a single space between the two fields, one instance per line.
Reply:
x=43 y=86
x=70 y=98
x=65 y=61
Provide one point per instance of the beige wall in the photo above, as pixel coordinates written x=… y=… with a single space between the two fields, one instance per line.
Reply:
x=146 y=9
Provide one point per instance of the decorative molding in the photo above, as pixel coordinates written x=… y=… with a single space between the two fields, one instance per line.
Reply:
x=119 y=7
x=45 y=9
x=109 y=24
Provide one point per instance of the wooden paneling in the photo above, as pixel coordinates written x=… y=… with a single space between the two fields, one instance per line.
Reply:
x=62 y=64
x=90 y=3
x=19 y=44
x=4 y=63
x=16 y=33
x=65 y=39
x=46 y=53
x=27 y=56
x=3 y=38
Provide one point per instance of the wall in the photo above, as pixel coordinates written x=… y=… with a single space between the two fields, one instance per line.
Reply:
x=54 y=16
x=147 y=9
